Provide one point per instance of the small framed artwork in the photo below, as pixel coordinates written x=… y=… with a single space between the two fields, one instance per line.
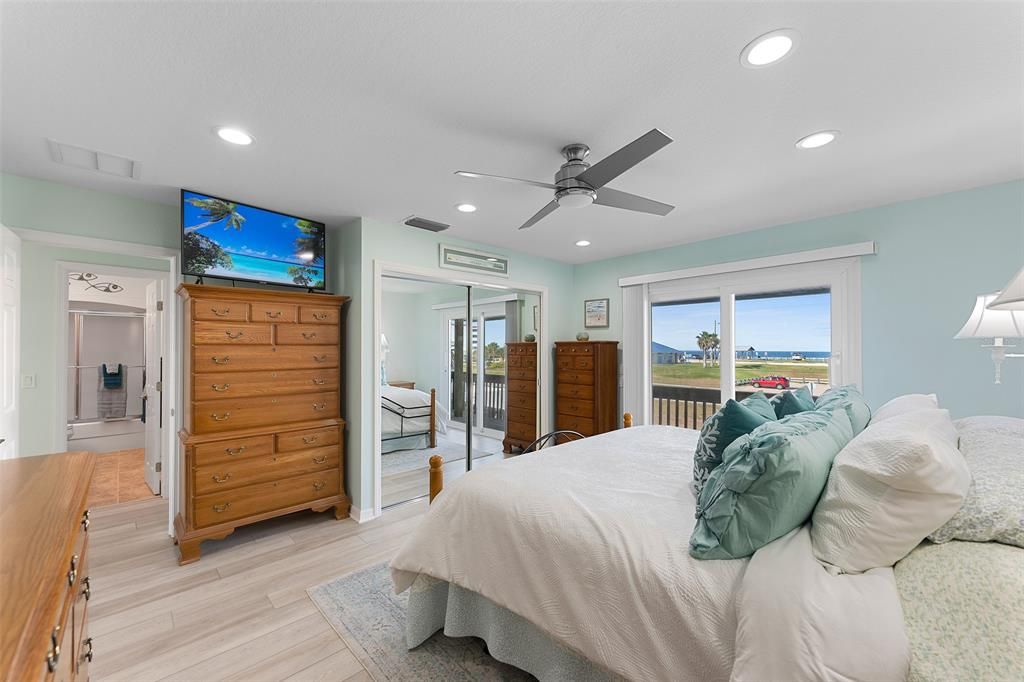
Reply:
x=459 y=258
x=595 y=313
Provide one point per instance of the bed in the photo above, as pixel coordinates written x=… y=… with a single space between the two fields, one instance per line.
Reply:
x=410 y=419
x=593 y=579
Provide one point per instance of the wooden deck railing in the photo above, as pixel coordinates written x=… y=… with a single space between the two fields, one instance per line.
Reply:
x=686 y=406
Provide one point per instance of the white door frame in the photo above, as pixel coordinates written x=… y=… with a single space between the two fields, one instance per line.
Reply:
x=10 y=346
x=385 y=268
x=481 y=309
x=171 y=341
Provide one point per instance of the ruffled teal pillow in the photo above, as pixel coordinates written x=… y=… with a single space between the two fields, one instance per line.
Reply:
x=792 y=402
x=733 y=420
x=847 y=398
x=768 y=483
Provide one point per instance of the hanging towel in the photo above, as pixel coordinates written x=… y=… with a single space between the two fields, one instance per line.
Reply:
x=113 y=379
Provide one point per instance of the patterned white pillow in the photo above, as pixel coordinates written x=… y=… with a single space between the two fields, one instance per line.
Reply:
x=912 y=402
x=993 y=448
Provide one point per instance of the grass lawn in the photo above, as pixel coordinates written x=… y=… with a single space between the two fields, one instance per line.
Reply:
x=694 y=374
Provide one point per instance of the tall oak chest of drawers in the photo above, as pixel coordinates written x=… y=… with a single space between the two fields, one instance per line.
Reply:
x=263 y=434
x=521 y=417
x=587 y=386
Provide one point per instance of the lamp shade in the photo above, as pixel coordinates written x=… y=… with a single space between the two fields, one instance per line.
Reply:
x=1012 y=297
x=985 y=323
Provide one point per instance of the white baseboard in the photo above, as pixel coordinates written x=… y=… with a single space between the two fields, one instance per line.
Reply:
x=361 y=515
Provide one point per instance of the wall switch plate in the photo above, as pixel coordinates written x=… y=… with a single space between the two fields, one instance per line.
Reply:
x=28 y=380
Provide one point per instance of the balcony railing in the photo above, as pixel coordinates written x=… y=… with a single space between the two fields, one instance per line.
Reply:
x=686 y=406
x=494 y=400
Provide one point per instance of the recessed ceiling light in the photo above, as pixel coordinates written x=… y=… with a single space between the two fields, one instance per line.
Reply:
x=234 y=135
x=583 y=242
x=818 y=139
x=493 y=260
x=769 y=48
x=466 y=208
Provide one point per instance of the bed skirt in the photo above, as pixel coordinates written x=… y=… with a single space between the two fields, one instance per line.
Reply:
x=435 y=604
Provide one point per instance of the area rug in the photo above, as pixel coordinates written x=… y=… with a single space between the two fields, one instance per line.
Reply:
x=407 y=460
x=365 y=612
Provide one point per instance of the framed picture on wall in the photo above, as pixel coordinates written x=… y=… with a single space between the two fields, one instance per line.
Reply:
x=595 y=313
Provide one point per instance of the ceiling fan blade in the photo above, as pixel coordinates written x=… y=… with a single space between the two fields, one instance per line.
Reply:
x=606 y=196
x=539 y=215
x=617 y=163
x=535 y=183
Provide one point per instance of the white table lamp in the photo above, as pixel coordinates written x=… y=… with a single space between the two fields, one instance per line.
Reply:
x=1012 y=297
x=986 y=323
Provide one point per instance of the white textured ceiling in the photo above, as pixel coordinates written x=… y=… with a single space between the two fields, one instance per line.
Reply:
x=366 y=109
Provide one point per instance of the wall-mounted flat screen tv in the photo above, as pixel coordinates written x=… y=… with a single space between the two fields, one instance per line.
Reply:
x=230 y=240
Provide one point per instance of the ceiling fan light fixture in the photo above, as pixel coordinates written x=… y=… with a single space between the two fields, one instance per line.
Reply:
x=769 y=48
x=575 y=197
x=818 y=139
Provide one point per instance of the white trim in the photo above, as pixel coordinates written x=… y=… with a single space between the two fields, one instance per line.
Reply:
x=815 y=255
x=482 y=301
x=74 y=241
x=363 y=515
x=385 y=268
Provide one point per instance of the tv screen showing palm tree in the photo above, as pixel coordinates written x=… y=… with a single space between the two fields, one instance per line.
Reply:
x=221 y=238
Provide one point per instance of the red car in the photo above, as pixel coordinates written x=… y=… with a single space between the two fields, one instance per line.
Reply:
x=771 y=382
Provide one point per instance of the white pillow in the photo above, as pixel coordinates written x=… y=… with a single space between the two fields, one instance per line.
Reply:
x=912 y=402
x=892 y=485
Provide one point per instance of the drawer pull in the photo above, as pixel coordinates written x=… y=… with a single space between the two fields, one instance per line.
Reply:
x=319 y=381
x=234 y=335
x=85 y=520
x=88 y=652
x=53 y=655
x=220 y=388
x=309 y=336
x=320 y=358
x=235 y=451
x=218 y=479
x=319 y=316
x=86 y=588
x=220 y=417
x=220 y=312
x=319 y=407
x=273 y=313
x=320 y=460
x=221 y=361
x=318 y=485
x=219 y=508
x=73 y=572
x=310 y=439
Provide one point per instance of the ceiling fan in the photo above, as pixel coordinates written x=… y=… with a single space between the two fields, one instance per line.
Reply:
x=578 y=184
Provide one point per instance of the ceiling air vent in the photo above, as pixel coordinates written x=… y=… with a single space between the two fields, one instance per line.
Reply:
x=424 y=224
x=89 y=159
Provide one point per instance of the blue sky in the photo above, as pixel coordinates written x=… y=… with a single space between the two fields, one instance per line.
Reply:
x=788 y=323
x=264 y=234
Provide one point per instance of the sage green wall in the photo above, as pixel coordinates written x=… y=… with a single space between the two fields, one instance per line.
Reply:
x=934 y=257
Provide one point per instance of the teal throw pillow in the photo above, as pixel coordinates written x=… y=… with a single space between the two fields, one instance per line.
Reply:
x=733 y=420
x=792 y=402
x=850 y=399
x=768 y=483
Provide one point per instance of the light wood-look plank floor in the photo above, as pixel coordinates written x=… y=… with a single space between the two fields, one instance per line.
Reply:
x=120 y=476
x=241 y=612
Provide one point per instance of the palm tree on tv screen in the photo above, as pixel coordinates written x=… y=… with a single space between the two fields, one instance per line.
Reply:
x=216 y=211
x=311 y=241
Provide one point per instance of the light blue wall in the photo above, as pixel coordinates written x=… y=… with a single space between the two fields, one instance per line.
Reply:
x=935 y=256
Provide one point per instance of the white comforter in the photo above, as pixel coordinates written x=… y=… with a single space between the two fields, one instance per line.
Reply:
x=589 y=542
x=391 y=423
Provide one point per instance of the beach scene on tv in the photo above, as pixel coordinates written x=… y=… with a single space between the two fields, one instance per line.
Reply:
x=235 y=241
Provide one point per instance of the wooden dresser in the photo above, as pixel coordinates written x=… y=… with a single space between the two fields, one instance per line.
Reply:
x=44 y=567
x=587 y=386
x=263 y=434
x=521 y=417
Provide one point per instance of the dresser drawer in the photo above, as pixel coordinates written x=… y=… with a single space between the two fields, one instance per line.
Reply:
x=515 y=360
x=82 y=595
x=575 y=391
x=225 y=311
x=575 y=362
x=231 y=449
x=574 y=349
x=576 y=408
x=233 y=474
x=522 y=373
x=530 y=361
x=306 y=334
x=252 y=358
x=261 y=498
x=274 y=312
x=231 y=414
x=205 y=333
x=518 y=386
x=310 y=314
x=253 y=384
x=575 y=377
x=578 y=424
x=310 y=438
x=527 y=400
x=521 y=431
x=522 y=415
